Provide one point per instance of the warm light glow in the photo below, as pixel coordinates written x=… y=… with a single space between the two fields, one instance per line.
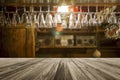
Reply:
x=59 y=28
x=62 y=9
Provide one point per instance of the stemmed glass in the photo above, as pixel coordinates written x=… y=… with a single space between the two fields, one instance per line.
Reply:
x=36 y=20
x=64 y=24
x=99 y=19
x=16 y=18
x=49 y=19
x=31 y=17
x=28 y=20
x=112 y=19
x=72 y=20
x=84 y=20
x=78 y=24
x=8 y=20
x=91 y=19
x=24 y=17
x=64 y=20
x=95 y=19
x=57 y=19
x=41 y=19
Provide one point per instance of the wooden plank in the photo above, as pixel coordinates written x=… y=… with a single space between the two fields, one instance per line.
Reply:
x=51 y=4
x=61 y=69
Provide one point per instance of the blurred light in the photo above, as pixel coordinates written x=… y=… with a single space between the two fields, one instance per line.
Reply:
x=56 y=33
x=63 y=9
x=59 y=27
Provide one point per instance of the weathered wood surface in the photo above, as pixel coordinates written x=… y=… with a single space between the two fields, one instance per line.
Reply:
x=60 y=69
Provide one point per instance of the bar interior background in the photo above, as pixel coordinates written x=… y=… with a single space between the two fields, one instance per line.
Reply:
x=60 y=28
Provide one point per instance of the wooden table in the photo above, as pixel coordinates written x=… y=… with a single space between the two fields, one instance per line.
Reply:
x=60 y=69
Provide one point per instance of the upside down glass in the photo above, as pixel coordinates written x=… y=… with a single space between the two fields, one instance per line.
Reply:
x=77 y=23
x=16 y=19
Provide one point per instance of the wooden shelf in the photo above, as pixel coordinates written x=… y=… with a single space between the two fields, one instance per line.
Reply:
x=80 y=47
x=27 y=4
x=101 y=30
x=101 y=47
x=19 y=26
x=13 y=27
x=67 y=31
x=98 y=4
x=68 y=47
x=54 y=4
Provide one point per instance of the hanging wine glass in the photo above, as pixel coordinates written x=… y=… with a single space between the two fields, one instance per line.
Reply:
x=95 y=19
x=90 y=20
x=8 y=20
x=64 y=19
x=87 y=17
x=49 y=19
x=84 y=20
x=64 y=24
x=57 y=19
x=36 y=19
x=78 y=24
x=2 y=19
x=32 y=17
x=29 y=19
x=16 y=19
x=72 y=20
x=99 y=19
x=24 y=17
x=112 y=19
x=105 y=15
x=41 y=19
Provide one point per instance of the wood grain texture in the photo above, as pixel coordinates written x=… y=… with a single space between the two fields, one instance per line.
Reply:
x=61 y=69
x=18 y=41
